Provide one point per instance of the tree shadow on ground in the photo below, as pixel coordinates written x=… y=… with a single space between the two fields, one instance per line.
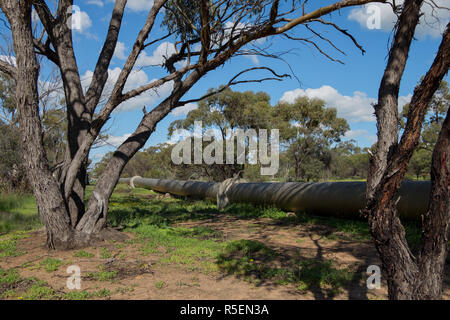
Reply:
x=256 y=262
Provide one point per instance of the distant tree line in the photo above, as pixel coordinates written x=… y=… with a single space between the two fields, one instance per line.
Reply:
x=311 y=145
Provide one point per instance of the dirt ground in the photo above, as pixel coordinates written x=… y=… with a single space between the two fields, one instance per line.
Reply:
x=143 y=277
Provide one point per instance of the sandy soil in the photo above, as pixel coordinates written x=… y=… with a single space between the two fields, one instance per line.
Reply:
x=142 y=277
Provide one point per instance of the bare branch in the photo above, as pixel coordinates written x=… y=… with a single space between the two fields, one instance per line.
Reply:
x=100 y=75
x=345 y=32
x=8 y=68
x=232 y=82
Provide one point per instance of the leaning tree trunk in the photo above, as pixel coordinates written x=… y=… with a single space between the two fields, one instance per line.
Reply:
x=389 y=164
x=95 y=217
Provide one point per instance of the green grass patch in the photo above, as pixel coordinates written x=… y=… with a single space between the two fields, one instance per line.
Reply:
x=40 y=291
x=18 y=212
x=133 y=207
x=8 y=244
x=12 y=285
x=51 y=264
x=9 y=277
x=83 y=254
x=179 y=246
x=258 y=263
x=85 y=295
x=105 y=253
x=101 y=275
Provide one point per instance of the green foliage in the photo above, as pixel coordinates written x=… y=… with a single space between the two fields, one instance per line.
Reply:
x=40 y=291
x=51 y=264
x=308 y=130
x=102 y=275
x=160 y=284
x=8 y=245
x=12 y=173
x=420 y=163
x=258 y=263
x=105 y=253
x=8 y=202
x=84 y=295
x=227 y=110
x=83 y=254
x=9 y=277
x=18 y=212
x=12 y=285
x=177 y=248
x=54 y=124
x=77 y=295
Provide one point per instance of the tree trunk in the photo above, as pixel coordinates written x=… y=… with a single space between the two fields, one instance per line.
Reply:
x=434 y=248
x=95 y=217
x=49 y=200
x=78 y=116
x=389 y=165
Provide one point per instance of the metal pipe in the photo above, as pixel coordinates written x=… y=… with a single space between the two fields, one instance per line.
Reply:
x=336 y=199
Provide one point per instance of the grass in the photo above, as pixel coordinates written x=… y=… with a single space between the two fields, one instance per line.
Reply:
x=18 y=212
x=258 y=263
x=198 y=248
x=101 y=275
x=51 y=264
x=83 y=254
x=177 y=246
x=8 y=244
x=85 y=295
x=105 y=253
x=13 y=286
x=40 y=291
x=9 y=277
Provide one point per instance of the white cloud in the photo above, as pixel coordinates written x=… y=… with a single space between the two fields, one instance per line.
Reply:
x=164 y=50
x=432 y=22
x=402 y=100
x=355 y=108
x=9 y=59
x=136 y=79
x=98 y=3
x=184 y=110
x=360 y=133
x=351 y=134
x=119 y=52
x=114 y=141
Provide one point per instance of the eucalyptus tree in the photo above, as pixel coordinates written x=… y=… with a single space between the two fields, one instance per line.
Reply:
x=207 y=33
x=309 y=129
x=225 y=111
x=420 y=275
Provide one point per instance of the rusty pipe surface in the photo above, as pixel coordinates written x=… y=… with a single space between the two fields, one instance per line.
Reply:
x=335 y=199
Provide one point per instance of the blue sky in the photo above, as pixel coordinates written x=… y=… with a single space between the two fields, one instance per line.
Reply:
x=350 y=88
